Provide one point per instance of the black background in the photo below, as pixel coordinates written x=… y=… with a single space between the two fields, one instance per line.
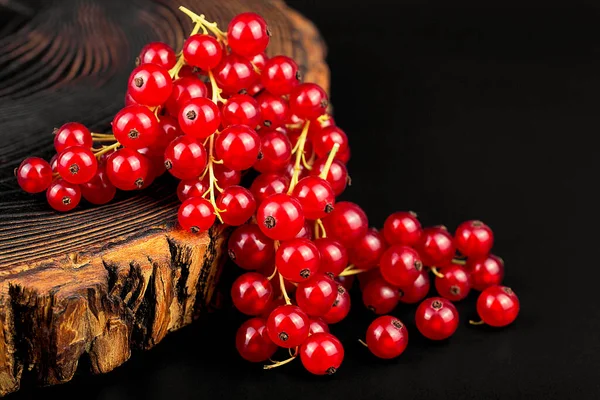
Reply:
x=456 y=111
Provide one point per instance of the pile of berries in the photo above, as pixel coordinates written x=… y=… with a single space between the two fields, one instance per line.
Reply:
x=220 y=107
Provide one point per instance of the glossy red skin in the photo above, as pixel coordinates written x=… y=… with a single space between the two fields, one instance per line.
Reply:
x=400 y=265
x=250 y=249
x=234 y=74
x=456 y=283
x=252 y=341
x=247 y=34
x=403 y=228
x=315 y=296
x=196 y=215
x=158 y=53
x=274 y=110
x=199 y=118
x=226 y=177
x=498 y=306
x=416 y=291
x=436 y=318
x=280 y=75
x=202 y=51
x=191 y=188
x=436 y=247
x=474 y=239
x=280 y=217
x=275 y=152
x=366 y=252
x=337 y=175
x=127 y=169
x=288 y=326
x=136 y=127
x=334 y=256
x=317 y=325
x=184 y=90
x=387 y=337
x=255 y=89
x=486 y=272
x=155 y=85
x=260 y=60
x=322 y=354
x=185 y=157
x=251 y=293
x=317 y=125
x=265 y=185
x=238 y=146
x=340 y=309
x=157 y=163
x=241 y=109
x=238 y=205
x=98 y=190
x=62 y=195
x=324 y=141
x=297 y=259
x=307 y=231
x=316 y=197
x=34 y=175
x=380 y=297
x=308 y=101
x=347 y=223
x=72 y=134
x=76 y=164
x=168 y=130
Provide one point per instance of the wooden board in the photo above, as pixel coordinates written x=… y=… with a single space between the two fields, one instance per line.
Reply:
x=99 y=281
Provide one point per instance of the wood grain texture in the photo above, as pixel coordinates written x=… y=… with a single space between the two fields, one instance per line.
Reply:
x=100 y=281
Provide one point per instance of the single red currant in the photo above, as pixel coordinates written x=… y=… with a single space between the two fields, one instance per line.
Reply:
x=235 y=74
x=474 y=239
x=185 y=157
x=199 y=117
x=62 y=195
x=34 y=175
x=238 y=205
x=247 y=34
x=274 y=110
x=322 y=354
x=316 y=197
x=498 y=306
x=366 y=251
x=265 y=185
x=238 y=146
x=436 y=318
x=280 y=75
x=416 y=291
x=184 y=90
x=324 y=140
x=402 y=228
x=436 y=247
x=337 y=175
x=456 y=283
x=380 y=297
x=158 y=53
x=150 y=85
x=275 y=152
x=315 y=296
x=98 y=190
x=340 y=308
x=196 y=214
x=288 y=326
x=347 y=223
x=76 y=164
x=250 y=249
x=486 y=272
x=400 y=265
x=251 y=293
x=202 y=51
x=225 y=176
x=308 y=101
x=334 y=257
x=280 y=217
x=72 y=134
x=136 y=127
x=127 y=169
x=252 y=341
x=241 y=109
x=317 y=325
x=297 y=259
x=387 y=337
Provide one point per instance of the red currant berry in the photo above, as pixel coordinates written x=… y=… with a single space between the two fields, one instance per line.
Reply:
x=486 y=272
x=317 y=325
x=366 y=252
x=191 y=188
x=158 y=53
x=316 y=295
x=255 y=89
x=247 y=34
x=185 y=157
x=225 y=176
x=98 y=190
x=235 y=74
x=320 y=123
x=456 y=283
x=238 y=205
x=252 y=341
x=202 y=51
x=34 y=175
x=265 y=185
x=250 y=249
x=334 y=257
x=241 y=109
x=337 y=175
x=416 y=291
x=184 y=90
x=324 y=140
x=306 y=232
x=402 y=228
x=196 y=214
x=62 y=195
x=76 y=164
x=290 y=170
x=340 y=308
x=251 y=293
x=322 y=354
x=347 y=223
x=168 y=130
x=474 y=239
x=157 y=164
x=288 y=326
x=127 y=169
x=297 y=259
x=316 y=197
x=199 y=117
x=238 y=146
x=436 y=318
x=380 y=297
x=136 y=127
x=498 y=306
x=260 y=61
x=275 y=152
x=436 y=247
x=308 y=101
x=72 y=134
x=280 y=75
x=273 y=109
x=387 y=337
x=150 y=85
x=400 y=265
x=280 y=217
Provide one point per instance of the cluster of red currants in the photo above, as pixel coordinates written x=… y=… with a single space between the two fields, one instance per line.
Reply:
x=221 y=107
